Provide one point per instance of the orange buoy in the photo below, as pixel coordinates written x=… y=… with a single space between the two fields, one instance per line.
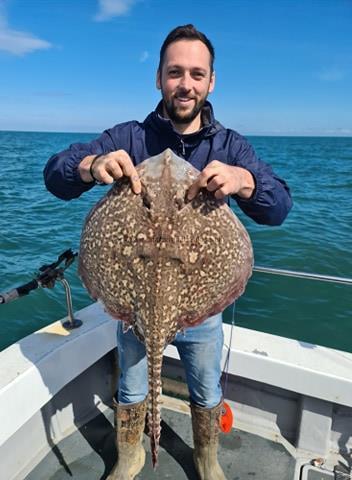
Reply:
x=226 y=419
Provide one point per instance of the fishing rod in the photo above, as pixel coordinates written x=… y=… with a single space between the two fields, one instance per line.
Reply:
x=47 y=276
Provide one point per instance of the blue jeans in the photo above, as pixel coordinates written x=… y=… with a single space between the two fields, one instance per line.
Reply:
x=200 y=349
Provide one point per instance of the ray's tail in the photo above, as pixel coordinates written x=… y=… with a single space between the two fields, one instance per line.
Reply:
x=155 y=358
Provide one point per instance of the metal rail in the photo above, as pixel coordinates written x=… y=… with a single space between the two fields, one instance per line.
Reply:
x=308 y=276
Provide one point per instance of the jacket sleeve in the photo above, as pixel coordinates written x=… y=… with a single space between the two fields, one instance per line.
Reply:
x=271 y=200
x=61 y=175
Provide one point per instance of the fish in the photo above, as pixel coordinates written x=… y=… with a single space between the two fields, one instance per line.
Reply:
x=161 y=263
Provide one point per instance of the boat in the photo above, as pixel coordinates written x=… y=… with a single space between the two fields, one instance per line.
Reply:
x=292 y=405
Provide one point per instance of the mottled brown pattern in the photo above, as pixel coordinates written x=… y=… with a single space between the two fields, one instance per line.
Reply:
x=206 y=424
x=130 y=422
x=160 y=263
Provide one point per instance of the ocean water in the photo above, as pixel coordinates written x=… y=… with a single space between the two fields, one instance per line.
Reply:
x=35 y=227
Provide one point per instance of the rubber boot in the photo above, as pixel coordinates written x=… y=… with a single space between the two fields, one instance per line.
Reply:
x=206 y=428
x=129 y=424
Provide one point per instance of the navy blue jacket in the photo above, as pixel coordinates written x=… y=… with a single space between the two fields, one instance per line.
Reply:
x=269 y=204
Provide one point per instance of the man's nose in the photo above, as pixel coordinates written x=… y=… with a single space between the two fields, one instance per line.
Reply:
x=186 y=81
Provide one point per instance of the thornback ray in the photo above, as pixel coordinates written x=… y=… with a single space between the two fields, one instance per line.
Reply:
x=161 y=263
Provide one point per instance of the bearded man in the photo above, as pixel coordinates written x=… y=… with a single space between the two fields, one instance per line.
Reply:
x=183 y=121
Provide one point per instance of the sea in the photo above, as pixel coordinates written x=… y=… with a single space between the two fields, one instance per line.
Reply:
x=36 y=227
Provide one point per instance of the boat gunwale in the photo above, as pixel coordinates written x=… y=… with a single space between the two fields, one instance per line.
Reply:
x=47 y=360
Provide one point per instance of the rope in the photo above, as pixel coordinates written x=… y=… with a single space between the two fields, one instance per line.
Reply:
x=227 y=359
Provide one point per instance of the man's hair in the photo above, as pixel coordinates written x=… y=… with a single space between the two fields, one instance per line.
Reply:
x=186 y=32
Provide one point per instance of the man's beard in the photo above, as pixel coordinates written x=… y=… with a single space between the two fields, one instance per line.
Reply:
x=179 y=118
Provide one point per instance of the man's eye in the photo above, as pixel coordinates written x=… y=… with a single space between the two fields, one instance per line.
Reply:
x=198 y=75
x=174 y=73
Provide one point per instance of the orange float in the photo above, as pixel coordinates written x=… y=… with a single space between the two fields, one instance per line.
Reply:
x=226 y=419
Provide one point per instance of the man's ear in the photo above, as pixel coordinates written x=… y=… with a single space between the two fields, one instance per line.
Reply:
x=158 y=80
x=212 y=82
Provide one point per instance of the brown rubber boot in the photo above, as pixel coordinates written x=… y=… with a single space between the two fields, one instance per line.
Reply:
x=129 y=424
x=206 y=428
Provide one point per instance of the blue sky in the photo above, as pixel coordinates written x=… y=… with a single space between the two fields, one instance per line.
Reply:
x=282 y=66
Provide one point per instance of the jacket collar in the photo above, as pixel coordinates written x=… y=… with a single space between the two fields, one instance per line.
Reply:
x=210 y=126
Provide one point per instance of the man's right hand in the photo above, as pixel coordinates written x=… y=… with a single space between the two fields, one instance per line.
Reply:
x=110 y=167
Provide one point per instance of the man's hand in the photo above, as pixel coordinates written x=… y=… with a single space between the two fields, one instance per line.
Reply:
x=110 y=167
x=223 y=180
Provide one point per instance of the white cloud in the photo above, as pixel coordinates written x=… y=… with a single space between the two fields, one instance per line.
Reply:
x=113 y=8
x=144 y=56
x=16 y=42
x=331 y=75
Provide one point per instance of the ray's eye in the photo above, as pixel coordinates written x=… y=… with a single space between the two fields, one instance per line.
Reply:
x=146 y=201
x=180 y=203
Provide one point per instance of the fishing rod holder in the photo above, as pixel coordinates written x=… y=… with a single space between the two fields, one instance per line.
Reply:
x=52 y=273
x=72 y=322
x=46 y=278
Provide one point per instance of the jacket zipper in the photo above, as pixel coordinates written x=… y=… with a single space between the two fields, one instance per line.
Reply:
x=183 y=148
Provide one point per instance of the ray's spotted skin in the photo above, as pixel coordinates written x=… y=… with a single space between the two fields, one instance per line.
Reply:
x=161 y=263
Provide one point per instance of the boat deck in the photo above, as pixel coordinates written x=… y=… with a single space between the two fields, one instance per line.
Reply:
x=292 y=405
x=89 y=454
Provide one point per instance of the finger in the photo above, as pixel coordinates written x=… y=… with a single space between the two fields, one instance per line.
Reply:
x=130 y=171
x=221 y=193
x=114 y=170
x=193 y=190
x=104 y=176
x=136 y=184
x=200 y=182
x=215 y=183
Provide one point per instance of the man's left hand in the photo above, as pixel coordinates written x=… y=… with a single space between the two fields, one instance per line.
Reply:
x=223 y=180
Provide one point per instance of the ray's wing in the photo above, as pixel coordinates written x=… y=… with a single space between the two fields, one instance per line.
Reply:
x=217 y=255
x=109 y=250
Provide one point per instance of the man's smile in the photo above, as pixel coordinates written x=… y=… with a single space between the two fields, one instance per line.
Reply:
x=183 y=100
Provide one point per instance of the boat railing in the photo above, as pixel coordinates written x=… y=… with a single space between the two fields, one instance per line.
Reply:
x=304 y=275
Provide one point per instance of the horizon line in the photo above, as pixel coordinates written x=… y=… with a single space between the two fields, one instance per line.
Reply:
x=318 y=135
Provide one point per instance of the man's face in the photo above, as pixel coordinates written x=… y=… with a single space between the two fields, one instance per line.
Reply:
x=185 y=80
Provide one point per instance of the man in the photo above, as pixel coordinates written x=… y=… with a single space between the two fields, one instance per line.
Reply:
x=184 y=122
